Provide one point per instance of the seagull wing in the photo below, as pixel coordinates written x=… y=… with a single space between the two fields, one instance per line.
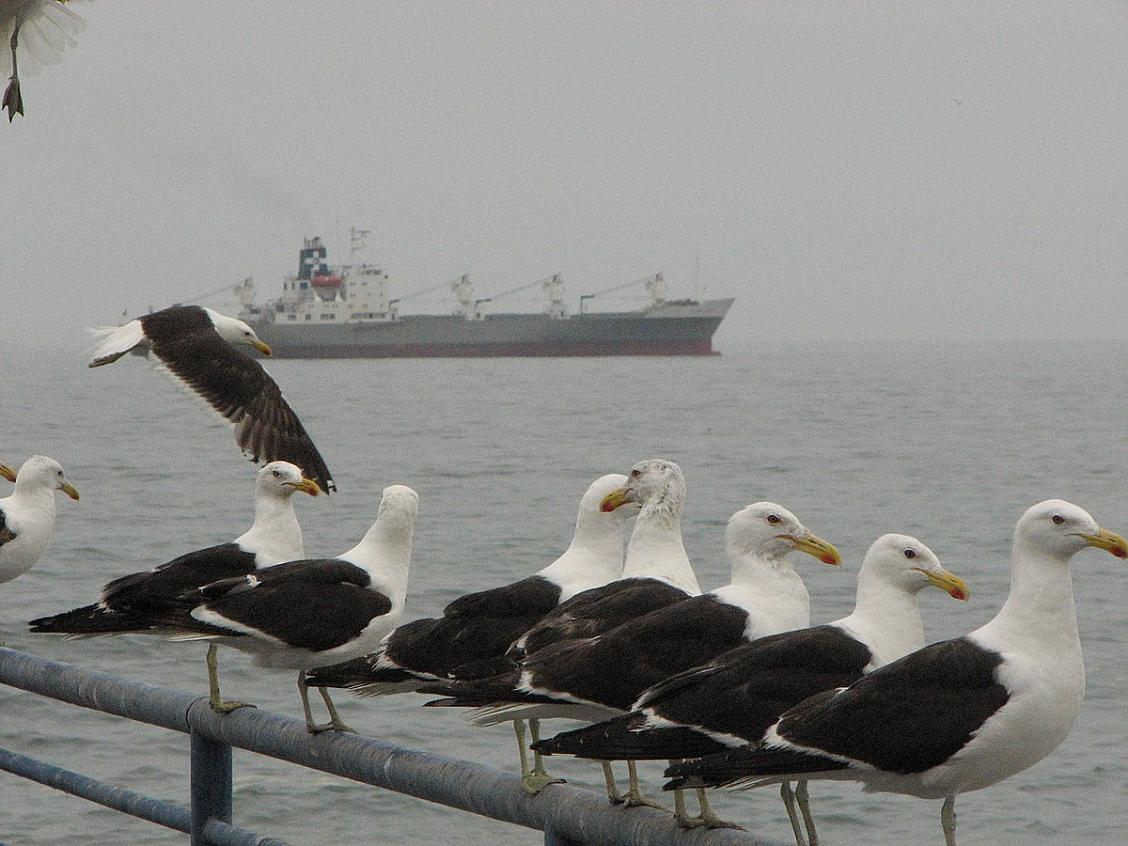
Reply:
x=238 y=387
x=907 y=716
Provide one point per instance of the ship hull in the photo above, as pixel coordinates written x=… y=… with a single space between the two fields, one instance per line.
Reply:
x=671 y=329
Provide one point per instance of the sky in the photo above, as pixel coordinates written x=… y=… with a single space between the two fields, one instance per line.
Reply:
x=935 y=171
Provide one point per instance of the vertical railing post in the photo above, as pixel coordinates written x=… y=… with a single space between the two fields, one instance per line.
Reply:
x=211 y=784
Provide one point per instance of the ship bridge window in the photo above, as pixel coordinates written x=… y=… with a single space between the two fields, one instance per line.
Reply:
x=291 y=317
x=308 y=316
x=328 y=317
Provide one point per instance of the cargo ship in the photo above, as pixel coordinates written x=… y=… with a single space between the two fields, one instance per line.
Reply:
x=346 y=311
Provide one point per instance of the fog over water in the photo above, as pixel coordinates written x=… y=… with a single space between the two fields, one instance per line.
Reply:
x=940 y=170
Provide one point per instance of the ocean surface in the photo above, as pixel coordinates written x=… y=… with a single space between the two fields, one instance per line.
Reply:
x=946 y=443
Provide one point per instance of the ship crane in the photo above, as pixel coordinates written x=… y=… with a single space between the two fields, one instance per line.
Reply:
x=419 y=293
x=552 y=285
x=655 y=285
x=460 y=285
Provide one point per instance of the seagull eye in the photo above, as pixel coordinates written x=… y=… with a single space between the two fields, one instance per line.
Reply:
x=1059 y=519
x=276 y=474
x=910 y=553
x=635 y=473
x=773 y=518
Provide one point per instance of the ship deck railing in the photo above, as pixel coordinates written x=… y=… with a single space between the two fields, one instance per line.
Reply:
x=568 y=816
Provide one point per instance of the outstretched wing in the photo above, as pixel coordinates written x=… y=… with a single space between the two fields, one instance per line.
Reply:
x=238 y=388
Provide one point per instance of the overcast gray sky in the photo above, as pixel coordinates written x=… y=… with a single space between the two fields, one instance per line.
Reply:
x=944 y=170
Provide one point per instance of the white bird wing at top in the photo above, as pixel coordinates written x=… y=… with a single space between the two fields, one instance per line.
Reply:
x=47 y=29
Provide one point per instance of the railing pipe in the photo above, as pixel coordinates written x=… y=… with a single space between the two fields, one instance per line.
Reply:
x=568 y=813
x=168 y=814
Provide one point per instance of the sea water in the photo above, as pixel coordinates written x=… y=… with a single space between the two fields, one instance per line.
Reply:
x=947 y=443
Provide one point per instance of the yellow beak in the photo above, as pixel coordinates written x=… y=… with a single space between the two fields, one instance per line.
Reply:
x=1108 y=541
x=261 y=347
x=950 y=583
x=816 y=546
x=7 y=472
x=307 y=485
x=69 y=490
x=614 y=500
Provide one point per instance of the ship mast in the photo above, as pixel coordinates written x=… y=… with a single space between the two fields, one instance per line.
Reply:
x=358 y=242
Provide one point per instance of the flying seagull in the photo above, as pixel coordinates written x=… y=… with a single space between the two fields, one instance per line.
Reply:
x=27 y=517
x=196 y=346
x=955 y=716
x=47 y=27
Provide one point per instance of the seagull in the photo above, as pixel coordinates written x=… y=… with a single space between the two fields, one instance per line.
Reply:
x=732 y=700
x=656 y=573
x=27 y=516
x=610 y=670
x=958 y=715
x=48 y=25
x=196 y=346
x=141 y=602
x=314 y=612
x=472 y=635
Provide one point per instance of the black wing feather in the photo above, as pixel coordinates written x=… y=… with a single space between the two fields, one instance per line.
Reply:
x=909 y=715
x=467 y=642
x=741 y=693
x=906 y=717
x=235 y=385
x=597 y=610
x=615 y=667
x=140 y=601
x=293 y=602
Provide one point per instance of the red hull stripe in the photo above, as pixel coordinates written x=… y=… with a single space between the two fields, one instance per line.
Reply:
x=605 y=348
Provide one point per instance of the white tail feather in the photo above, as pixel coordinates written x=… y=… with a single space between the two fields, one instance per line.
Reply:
x=112 y=342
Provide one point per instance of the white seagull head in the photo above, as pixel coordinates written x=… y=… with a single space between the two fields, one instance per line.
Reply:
x=283 y=479
x=1063 y=529
x=42 y=473
x=769 y=531
x=591 y=503
x=236 y=332
x=905 y=562
x=399 y=503
x=653 y=478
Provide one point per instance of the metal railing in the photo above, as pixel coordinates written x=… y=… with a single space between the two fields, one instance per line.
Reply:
x=568 y=816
